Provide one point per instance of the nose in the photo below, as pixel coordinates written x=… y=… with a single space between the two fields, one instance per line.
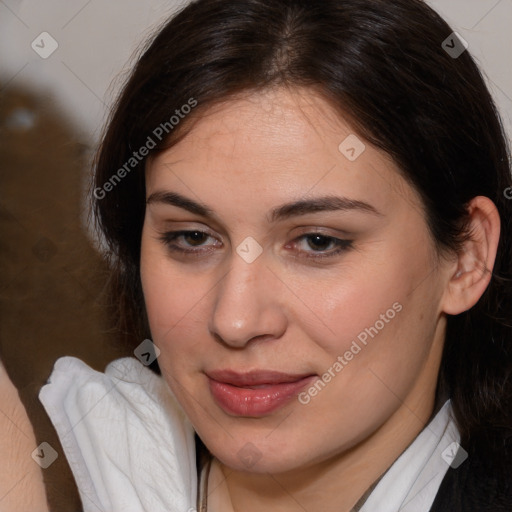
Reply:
x=247 y=305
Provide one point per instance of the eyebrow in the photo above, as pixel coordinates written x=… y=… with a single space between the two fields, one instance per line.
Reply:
x=280 y=213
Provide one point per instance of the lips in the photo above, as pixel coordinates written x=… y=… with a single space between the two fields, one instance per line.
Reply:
x=255 y=377
x=255 y=393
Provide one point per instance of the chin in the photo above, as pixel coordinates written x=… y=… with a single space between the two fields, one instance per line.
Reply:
x=252 y=457
x=257 y=463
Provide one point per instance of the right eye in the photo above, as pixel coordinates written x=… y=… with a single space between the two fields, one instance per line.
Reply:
x=194 y=236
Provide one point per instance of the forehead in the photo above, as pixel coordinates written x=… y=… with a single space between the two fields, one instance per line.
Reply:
x=274 y=145
x=276 y=123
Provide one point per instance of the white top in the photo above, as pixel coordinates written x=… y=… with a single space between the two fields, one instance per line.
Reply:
x=126 y=438
x=131 y=447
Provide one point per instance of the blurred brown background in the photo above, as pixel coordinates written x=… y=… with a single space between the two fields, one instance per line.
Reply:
x=52 y=279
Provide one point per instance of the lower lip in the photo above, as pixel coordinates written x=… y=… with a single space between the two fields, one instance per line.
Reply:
x=255 y=402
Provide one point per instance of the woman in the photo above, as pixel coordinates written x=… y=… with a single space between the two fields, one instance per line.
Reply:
x=306 y=209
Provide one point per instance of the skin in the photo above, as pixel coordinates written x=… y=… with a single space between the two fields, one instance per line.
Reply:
x=21 y=479
x=294 y=314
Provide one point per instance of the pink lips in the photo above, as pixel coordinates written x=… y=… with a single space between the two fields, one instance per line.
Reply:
x=255 y=393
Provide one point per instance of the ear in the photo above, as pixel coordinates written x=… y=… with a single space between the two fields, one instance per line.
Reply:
x=470 y=273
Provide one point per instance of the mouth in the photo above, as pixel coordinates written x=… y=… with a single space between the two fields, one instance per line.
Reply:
x=256 y=393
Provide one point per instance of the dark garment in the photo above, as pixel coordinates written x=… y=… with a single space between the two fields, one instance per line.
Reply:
x=482 y=483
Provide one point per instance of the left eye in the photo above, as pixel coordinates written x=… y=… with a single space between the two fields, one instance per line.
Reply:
x=319 y=242
x=197 y=238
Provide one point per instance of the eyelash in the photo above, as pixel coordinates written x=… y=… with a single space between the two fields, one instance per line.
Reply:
x=169 y=237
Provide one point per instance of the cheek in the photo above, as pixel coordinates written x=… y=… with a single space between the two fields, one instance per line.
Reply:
x=377 y=324
x=174 y=303
x=358 y=304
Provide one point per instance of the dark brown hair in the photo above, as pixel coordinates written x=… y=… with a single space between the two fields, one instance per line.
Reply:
x=383 y=65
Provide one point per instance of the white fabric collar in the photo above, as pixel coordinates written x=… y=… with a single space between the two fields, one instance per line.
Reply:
x=412 y=482
x=131 y=448
x=127 y=440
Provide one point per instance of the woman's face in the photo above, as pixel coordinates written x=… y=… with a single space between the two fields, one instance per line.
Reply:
x=303 y=311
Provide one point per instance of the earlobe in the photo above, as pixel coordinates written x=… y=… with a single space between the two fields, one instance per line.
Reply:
x=472 y=270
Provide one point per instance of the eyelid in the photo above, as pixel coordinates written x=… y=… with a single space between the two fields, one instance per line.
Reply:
x=341 y=244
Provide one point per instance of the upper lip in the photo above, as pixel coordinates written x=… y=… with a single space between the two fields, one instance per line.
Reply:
x=255 y=377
